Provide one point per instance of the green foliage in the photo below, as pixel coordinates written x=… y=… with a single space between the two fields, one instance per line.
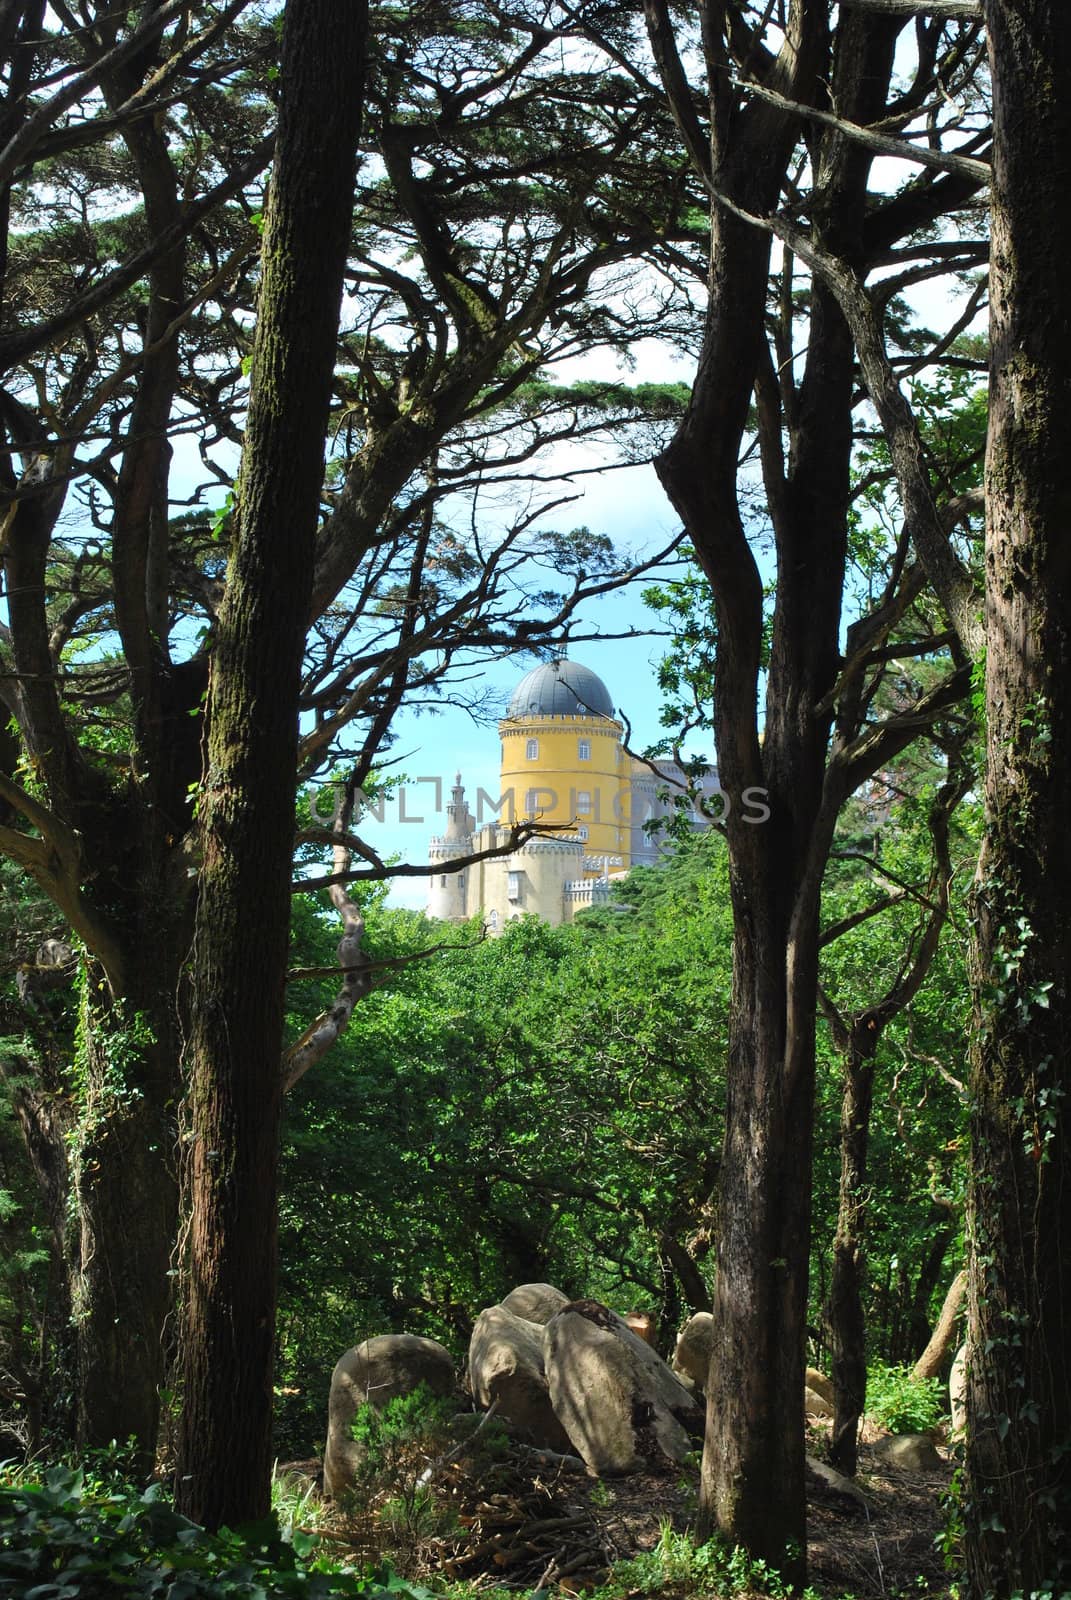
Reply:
x=386 y=1435
x=69 y=1537
x=396 y=1443
x=950 y=1538
x=686 y=671
x=901 y=1403
x=713 y=1569
x=537 y=1107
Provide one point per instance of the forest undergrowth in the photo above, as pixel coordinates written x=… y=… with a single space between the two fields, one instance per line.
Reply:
x=500 y=1521
x=488 y=1519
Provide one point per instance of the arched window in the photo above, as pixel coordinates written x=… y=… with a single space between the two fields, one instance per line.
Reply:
x=531 y=750
x=583 y=750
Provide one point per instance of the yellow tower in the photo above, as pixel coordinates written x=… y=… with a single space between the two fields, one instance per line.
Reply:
x=562 y=761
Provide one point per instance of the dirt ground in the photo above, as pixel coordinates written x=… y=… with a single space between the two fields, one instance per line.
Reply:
x=518 y=1522
x=889 y=1550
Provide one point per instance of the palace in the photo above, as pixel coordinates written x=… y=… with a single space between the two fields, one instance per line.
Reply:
x=564 y=766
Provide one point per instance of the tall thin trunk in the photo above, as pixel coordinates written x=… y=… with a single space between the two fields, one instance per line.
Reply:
x=752 y=1486
x=224 y=1468
x=753 y=1462
x=1019 y=1385
x=844 y=1313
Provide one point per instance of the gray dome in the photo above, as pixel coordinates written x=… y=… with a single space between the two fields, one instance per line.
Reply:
x=562 y=689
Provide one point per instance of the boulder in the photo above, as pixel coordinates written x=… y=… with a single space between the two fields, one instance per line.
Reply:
x=694 y=1345
x=826 y=1483
x=691 y=1359
x=506 y=1367
x=819 y=1384
x=535 y=1302
x=374 y=1372
x=957 y=1391
x=621 y=1405
x=911 y=1452
x=816 y=1405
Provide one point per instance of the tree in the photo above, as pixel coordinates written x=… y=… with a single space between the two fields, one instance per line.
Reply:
x=857 y=1034
x=788 y=135
x=440 y=391
x=1019 y=1386
x=246 y=807
x=87 y=103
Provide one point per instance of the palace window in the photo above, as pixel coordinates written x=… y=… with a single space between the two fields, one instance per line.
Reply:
x=514 y=886
x=583 y=750
x=531 y=750
x=582 y=833
x=583 y=802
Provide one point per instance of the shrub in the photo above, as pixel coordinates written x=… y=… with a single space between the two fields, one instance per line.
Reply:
x=66 y=1539
x=715 y=1569
x=393 y=1437
x=901 y=1403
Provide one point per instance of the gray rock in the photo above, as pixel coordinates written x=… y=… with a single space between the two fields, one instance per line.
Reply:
x=827 y=1483
x=691 y=1359
x=619 y=1402
x=911 y=1452
x=957 y=1392
x=816 y=1405
x=535 y=1302
x=506 y=1368
x=819 y=1384
x=373 y=1373
x=695 y=1343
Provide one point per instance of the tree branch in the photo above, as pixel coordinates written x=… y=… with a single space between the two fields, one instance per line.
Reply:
x=843 y=925
x=16 y=347
x=519 y=833
x=953 y=10
x=953 y=584
x=882 y=143
x=20 y=145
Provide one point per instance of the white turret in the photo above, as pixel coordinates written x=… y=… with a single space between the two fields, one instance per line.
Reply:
x=447 y=897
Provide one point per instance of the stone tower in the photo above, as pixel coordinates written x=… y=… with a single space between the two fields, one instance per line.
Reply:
x=447 y=896
x=563 y=763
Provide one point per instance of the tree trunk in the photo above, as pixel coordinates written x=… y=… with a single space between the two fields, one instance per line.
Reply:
x=1018 y=1459
x=916 y=1332
x=125 y=1194
x=752 y=1486
x=243 y=918
x=753 y=1462
x=933 y=1357
x=847 y=1324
